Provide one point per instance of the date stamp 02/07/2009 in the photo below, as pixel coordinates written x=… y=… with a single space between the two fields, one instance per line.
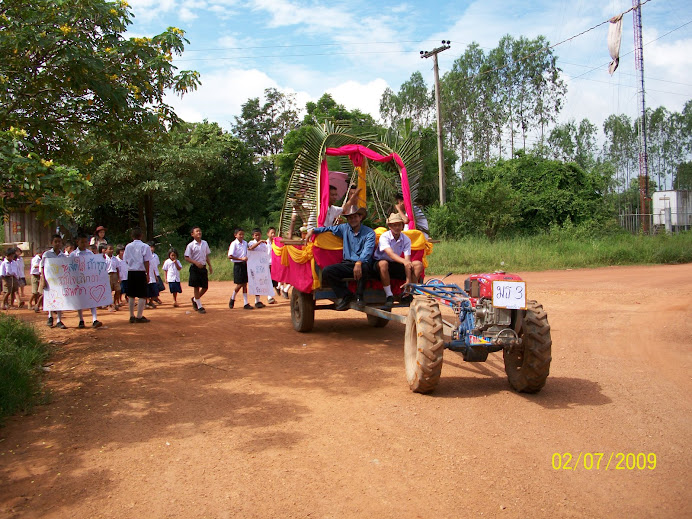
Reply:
x=604 y=461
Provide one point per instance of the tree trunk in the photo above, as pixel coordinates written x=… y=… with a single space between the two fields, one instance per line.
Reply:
x=140 y=209
x=149 y=208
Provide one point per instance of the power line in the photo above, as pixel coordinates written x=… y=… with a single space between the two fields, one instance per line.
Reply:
x=296 y=55
x=309 y=45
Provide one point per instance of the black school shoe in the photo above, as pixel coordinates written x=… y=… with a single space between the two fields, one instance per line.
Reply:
x=248 y=307
x=389 y=303
x=49 y=322
x=344 y=304
x=259 y=305
x=81 y=324
x=231 y=303
x=96 y=324
x=194 y=305
x=61 y=325
x=201 y=311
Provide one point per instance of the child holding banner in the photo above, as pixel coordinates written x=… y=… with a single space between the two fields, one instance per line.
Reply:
x=137 y=256
x=237 y=253
x=54 y=252
x=83 y=251
x=259 y=245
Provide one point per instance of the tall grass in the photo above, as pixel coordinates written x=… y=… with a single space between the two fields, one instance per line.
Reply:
x=558 y=249
x=21 y=354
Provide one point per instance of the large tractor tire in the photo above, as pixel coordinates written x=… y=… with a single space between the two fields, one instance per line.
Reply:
x=377 y=322
x=528 y=366
x=302 y=310
x=423 y=346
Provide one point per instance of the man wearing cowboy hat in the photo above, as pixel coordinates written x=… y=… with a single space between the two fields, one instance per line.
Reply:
x=359 y=244
x=393 y=259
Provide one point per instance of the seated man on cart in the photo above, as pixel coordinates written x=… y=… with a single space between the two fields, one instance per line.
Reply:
x=393 y=259
x=359 y=245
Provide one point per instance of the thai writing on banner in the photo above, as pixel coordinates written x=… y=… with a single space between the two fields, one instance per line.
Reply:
x=76 y=283
x=259 y=279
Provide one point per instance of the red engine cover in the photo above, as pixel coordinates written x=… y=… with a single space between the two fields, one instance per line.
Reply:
x=485 y=281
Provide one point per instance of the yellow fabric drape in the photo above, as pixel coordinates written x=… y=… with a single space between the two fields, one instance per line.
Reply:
x=362 y=202
x=327 y=241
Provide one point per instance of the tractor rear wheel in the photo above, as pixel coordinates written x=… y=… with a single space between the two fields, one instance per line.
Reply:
x=423 y=346
x=528 y=366
x=302 y=310
x=377 y=322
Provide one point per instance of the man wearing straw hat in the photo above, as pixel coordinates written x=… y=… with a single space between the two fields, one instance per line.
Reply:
x=359 y=244
x=393 y=259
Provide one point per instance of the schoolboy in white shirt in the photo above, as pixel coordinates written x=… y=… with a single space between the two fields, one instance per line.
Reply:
x=137 y=256
x=112 y=269
x=198 y=254
x=54 y=252
x=35 y=273
x=389 y=261
x=237 y=253
x=9 y=281
x=122 y=270
x=153 y=286
x=83 y=250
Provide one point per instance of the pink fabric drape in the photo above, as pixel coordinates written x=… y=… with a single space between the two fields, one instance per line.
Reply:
x=297 y=274
x=356 y=152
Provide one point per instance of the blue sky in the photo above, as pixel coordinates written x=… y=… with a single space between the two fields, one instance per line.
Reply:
x=355 y=49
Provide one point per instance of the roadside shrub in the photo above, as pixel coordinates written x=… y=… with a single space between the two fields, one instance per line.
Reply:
x=21 y=354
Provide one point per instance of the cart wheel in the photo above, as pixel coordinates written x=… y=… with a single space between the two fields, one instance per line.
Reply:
x=377 y=322
x=528 y=367
x=423 y=346
x=302 y=310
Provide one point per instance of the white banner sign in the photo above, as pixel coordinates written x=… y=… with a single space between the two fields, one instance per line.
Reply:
x=76 y=283
x=259 y=278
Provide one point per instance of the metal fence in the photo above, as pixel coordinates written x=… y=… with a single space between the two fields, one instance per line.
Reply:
x=665 y=221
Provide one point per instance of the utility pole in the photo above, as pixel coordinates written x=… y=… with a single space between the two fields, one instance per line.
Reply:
x=440 y=153
x=643 y=156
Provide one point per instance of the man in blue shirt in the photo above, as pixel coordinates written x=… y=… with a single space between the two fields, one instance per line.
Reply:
x=359 y=244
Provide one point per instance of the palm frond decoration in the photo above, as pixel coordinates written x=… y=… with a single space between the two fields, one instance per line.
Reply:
x=383 y=180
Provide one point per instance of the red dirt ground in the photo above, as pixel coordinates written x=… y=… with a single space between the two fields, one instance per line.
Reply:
x=233 y=414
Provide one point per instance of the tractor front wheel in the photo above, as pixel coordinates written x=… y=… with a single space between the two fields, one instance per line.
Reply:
x=423 y=346
x=528 y=366
x=302 y=310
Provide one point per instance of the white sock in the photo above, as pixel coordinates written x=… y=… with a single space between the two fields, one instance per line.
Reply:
x=59 y=314
x=257 y=299
x=199 y=303
x=245 y=297
x=93 y=314
x=140 y=306
x=388 y=291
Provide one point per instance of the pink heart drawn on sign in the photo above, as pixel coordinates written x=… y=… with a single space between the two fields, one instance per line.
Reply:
x=97 y=292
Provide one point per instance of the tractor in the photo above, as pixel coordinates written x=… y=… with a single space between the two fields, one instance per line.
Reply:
x=492 y=312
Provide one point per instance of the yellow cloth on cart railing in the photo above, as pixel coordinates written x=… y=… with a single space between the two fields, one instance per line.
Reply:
x=418 y=242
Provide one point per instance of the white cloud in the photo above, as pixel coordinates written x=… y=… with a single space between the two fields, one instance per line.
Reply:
x=363 y=96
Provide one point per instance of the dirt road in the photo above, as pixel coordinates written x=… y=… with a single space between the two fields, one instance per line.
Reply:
x=233 y=414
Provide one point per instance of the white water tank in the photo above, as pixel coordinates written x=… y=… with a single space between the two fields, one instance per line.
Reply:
x=672 y=208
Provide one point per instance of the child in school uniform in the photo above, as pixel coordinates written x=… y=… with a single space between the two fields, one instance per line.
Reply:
x=198 y=254
x=258 y=244
x=54 y=252
x=19 y=269
x=271 y=234
x=83 y=250
x=122 y=272
x=112 y=269
x=237 y=253
x=69 y=247
x=9 y=281
x=137 y=256
x=172 y=268
x=35 y=273
x=153 y=286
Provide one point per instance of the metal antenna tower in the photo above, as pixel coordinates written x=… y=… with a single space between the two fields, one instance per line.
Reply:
x=643 y=156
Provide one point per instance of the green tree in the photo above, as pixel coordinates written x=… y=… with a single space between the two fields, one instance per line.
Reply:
x=570 y=142
x=65 y=68
x=683 y=176
x=415 y=101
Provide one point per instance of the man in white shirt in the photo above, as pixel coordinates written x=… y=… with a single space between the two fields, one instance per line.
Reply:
x=393 y=259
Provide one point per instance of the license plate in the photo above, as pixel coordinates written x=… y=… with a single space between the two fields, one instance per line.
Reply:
x=509 y=294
